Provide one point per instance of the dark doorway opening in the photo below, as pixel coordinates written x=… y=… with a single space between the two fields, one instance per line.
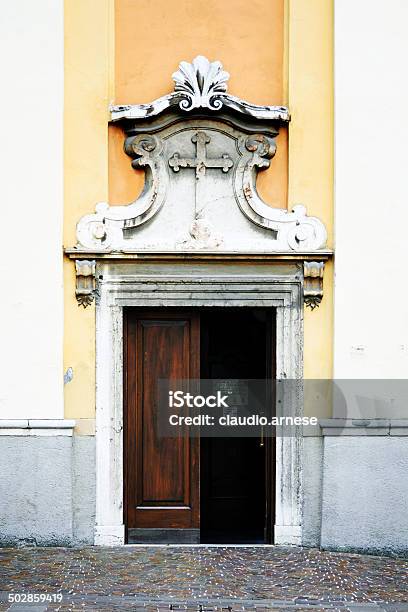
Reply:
x=235 y=473
x=187 y=489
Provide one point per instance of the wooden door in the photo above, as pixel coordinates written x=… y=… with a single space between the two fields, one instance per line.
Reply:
x=161 y=474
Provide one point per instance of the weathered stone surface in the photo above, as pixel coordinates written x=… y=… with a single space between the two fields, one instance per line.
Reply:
x=47 y=490
x=365 y=493
x=83 y=492
x=200 y=194
x=312 y=490
x=36 y=490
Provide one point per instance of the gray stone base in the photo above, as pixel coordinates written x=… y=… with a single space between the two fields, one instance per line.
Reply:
x=365 y=494
x=47 y=490
x=355 y=492
x=312 y=490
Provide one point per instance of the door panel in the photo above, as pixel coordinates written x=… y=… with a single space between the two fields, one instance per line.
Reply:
x=162 y=474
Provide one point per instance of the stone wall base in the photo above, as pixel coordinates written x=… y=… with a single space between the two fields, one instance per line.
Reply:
x=355 y=491
x=47 y=490
x=365 y=494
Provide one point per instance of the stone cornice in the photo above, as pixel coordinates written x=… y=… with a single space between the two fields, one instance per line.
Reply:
x=307 y=263
x=322 y=255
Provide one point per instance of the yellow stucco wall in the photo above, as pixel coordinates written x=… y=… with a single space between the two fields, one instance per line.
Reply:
x=310 y=99
x=277 y=52
x=88 y=87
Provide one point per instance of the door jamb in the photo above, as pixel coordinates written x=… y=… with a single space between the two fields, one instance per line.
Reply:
x=154 y=284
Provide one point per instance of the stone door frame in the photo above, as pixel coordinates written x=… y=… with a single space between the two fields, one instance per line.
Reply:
x=194 y=285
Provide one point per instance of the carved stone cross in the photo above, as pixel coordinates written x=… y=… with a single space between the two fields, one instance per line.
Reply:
x=200 y=163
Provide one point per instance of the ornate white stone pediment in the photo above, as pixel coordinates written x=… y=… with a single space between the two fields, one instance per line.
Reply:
x=201 y=150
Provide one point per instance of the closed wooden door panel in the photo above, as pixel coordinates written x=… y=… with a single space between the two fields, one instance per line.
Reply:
x=162 y=474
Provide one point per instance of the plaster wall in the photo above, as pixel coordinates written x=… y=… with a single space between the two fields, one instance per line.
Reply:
x=371 y=214
x=31 y=111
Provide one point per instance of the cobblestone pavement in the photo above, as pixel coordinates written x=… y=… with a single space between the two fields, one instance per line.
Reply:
x=201 y=578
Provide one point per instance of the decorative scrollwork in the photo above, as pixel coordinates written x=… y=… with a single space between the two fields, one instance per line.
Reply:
x=307 y=232
x=201 y=82
x=313 y=283
x=104 y=229
x=138 y=148
x=239 y=140
x=260 y=144
x=85 y=290
x=291 y=230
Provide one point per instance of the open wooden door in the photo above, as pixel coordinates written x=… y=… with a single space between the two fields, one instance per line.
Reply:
x=165 y=477
x=161 y=474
